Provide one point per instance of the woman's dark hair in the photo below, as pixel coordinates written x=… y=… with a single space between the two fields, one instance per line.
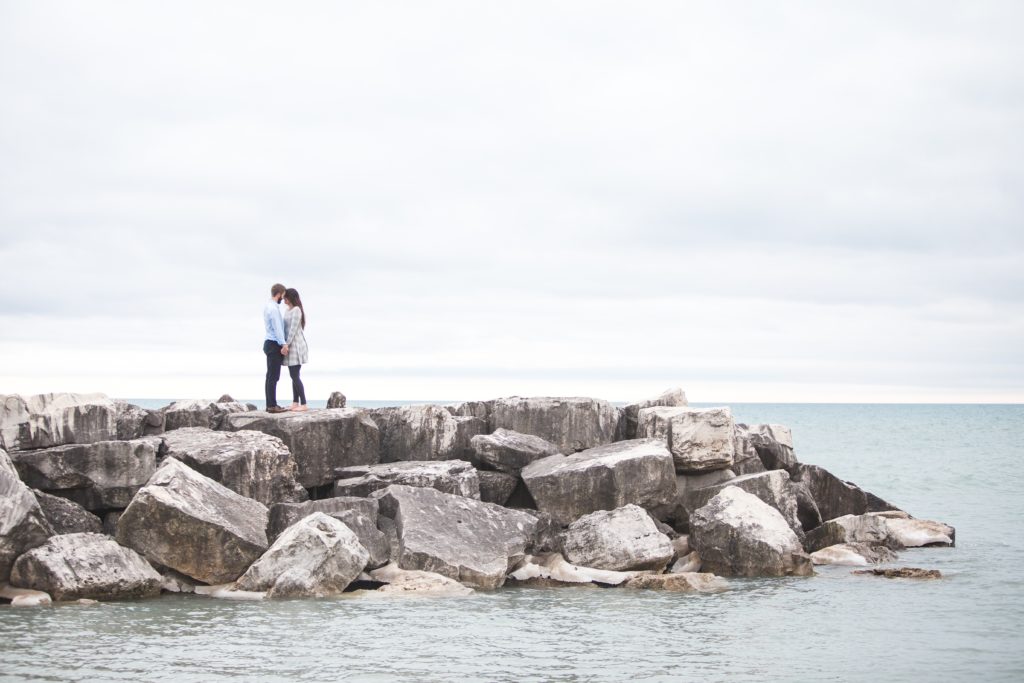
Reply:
x=292 y=296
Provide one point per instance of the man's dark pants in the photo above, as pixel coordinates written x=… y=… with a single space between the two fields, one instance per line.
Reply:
x=274 y=360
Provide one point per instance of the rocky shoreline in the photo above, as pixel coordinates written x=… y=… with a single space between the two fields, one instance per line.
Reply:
x=104 y=500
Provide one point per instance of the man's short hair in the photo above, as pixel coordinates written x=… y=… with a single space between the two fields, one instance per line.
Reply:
x=277 y=289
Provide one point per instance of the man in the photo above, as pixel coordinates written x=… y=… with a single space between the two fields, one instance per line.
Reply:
x=274 y=345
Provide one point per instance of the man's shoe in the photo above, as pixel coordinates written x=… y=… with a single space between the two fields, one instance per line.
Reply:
x=277 y=409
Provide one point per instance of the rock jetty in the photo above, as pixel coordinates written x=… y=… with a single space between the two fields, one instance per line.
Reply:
x=104 y=500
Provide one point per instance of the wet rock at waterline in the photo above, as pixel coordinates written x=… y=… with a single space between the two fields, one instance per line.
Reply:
x=603 y=478
x=509 y=451
x=738 y=534
x=400 y=581
x=551 y=569
x=23 y=525
x=320 y=441
x=624 y=539
x=457 y=477
x=853 y=554
x=85 y=565
x=894 y=530
x=194 y=525
x=680 y=582
x=902 y=573
x=67 y=517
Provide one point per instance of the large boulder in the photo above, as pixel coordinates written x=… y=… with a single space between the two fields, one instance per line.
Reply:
x=424 y=432
x=86 y=565
x=252 y=464
x=134 y=422
x=629 y=422
x=773 y=444
x=67 y=517
x=496 y=487
x=457 y=477
x=23 y=525
x=745 y=459
x=315 y=557
x=738 y=534
x=46 y=420
x=604 y=478
x=478 y=409
x=572 y=424
x=508 y=451
x=656 y=422
x=194 y=525
x=702 y=439
x=773 y=487
x=473 y=542
x=623 y=539
x=833 y=496
x=320 y=440
x=98 y=476
x=866 y=529
x=200 y=413
x=358 y=514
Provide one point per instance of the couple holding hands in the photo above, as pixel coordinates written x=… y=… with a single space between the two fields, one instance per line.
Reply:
x=284 y=344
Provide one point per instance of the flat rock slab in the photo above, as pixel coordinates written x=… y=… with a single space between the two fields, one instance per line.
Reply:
x=624 y=539
x=94 y=566
x=425 y=432
x=572 y=424
x=702 y=439
x=508 y=451
x=252 y=464
x=467 y=540
x=194 y=525
x=321 y=441
x=680 y=582
x=203 y=413
x=97 y=476
x=23 y=525
x=67 y=517
x=656 y=422
x=895 y=530
x=47 y=420
x=457 y=477
x=738 y=534
x=902 y=573
x=603 y=478
x=315 y=557
x=853 y=555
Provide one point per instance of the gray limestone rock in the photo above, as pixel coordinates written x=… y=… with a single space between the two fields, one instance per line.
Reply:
x=358 y=514
x=738 y=534
x=604 y=478
x=773 y=444
x=853 y=555
x=895 y=530
x=200 y=413
x=508 y=451
x=496 y=487
x=414 y=582
x=457 y=477
x=656 y=422
x=424 y=432
x=773 y=487
x=194 y=525
x=23 y=525
x=134 y=422
x=745 y=459
x=110 y=522
x=572 y=424
x=623 y=539
x=320 y=440
x=478 y=409
x=336 y=400
x=47 y=420
x=473 y=542
x=833 y=496
x=86 y=565
x=67 y=517
x=680 y=582
x=702 y=439
x=97 y=476
x=629 y=421
x=253 y=464
x=315 y=557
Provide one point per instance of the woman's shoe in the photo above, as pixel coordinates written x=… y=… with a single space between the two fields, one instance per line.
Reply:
x=294 y=406
x=300 y=409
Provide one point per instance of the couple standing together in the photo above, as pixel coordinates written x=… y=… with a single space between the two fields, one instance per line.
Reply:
x=284 y=344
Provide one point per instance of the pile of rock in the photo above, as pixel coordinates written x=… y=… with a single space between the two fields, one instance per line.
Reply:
x=100 y=499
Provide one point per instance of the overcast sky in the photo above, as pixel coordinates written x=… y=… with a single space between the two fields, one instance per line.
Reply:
x=785 y=201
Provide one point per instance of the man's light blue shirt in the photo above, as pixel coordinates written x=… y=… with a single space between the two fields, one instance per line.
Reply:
x=273 y=322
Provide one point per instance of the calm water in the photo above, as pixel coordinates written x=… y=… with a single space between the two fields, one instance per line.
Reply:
x=959 y=464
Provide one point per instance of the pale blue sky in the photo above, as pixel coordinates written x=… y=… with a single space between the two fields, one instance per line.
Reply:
x=792 y=201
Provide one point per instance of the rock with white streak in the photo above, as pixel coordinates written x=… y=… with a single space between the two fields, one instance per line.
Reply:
x=916 y=533
x=467 y=540
x=204 y=413
x=67 y=517
x=773 y=487
x=624 y=539
x=656 y=422
x=603 y=478
x=252 y=464
x=47 y=420
x=321 y=441
x=190 y=523
x=629 y=423
x=853 y=555
x=738 y=534
x=358 y=514
x=509 y=451
x=572 y=424
x=425 y=432
x=315 y=557
x=135 y=422
x=24 y=597
x=869 y=529
x=687 y=563
x=702 y=439
x=496 y=487
x=97 y=476
x=414 y=582
x=94 y=566
x=680 y=582
x=457 y=477
x=551 y=569
x=23 y=525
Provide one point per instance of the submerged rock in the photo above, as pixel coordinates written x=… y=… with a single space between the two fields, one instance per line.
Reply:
x=400 y=581
x=702 y=439
x=252 y=464
x=321 y=441
x=424 y=432
x=572 y=424
x=903 y=573
x=603 y=478
x=623 y=539
x=67 y=517
x=315 y=557
x=464 y=539
x=738 y=534
x=23 y=525
x=457 y=477
x=680 y=582
x=509 y=451
x=194 y=525
x=97 y=476
x=74 y=566
x=200 y=413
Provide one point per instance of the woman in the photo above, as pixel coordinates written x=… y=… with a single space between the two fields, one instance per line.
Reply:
x=298 y=353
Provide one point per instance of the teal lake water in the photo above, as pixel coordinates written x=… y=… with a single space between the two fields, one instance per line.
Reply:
x=958 y=464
